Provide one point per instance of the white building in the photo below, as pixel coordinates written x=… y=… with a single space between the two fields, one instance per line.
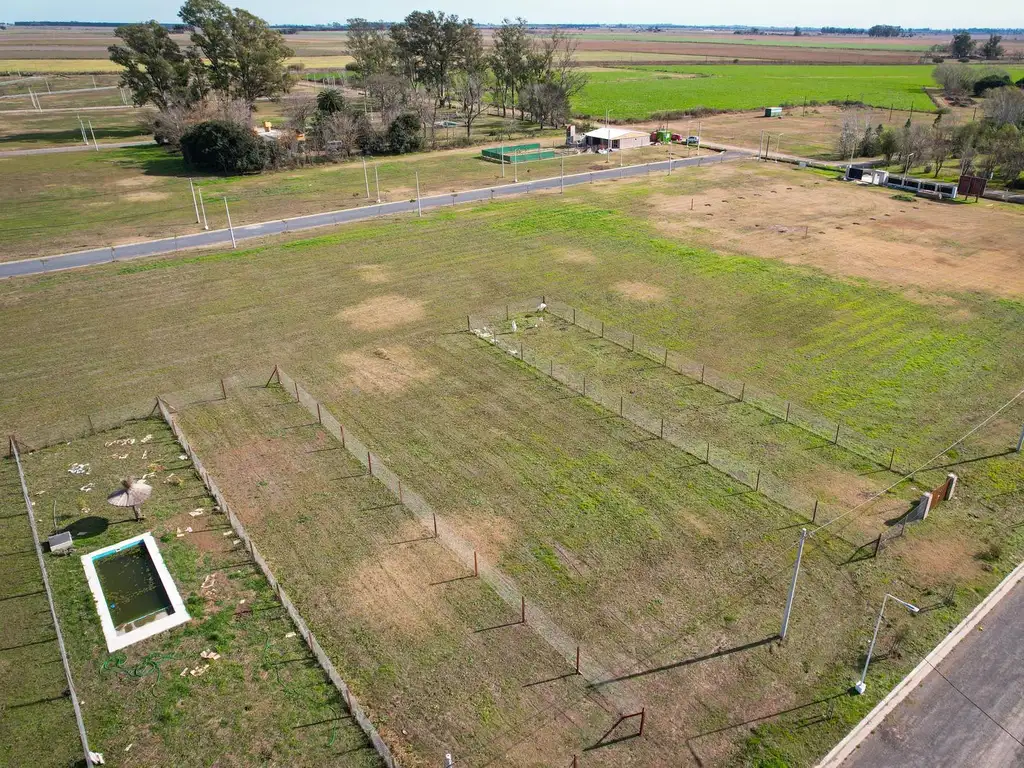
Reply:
x=616 y=138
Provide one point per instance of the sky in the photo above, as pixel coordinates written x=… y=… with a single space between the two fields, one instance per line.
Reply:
x=937 y=14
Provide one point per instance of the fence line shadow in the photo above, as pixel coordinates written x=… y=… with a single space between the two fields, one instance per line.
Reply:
x=687 y=662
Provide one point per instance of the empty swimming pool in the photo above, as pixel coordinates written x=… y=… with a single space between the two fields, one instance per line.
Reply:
x=135 y=595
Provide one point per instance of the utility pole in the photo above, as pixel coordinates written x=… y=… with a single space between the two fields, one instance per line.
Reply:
x=792 y=585
x=85 y=139
x=230 y=228
x=419 y=210
x=202 y=207
x=515 y=167
x=561 y=190
x=366 y=179
x=376 y=181
x=1020 y=442
x=760 y=145
x=195 y=203
x=503 y=160
x=93 y=137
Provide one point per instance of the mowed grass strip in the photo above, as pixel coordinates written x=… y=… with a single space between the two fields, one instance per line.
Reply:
x=34 y=708
x=437 y=658
x=264 y=700
x=637 y=93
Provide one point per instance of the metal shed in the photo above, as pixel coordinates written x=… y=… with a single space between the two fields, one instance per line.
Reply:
x=773 y=111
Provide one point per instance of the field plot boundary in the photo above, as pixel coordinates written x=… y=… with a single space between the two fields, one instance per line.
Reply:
x=765 y=401
x=758 y=480
x=53 y=609
x=325 y=663
x=542 y=624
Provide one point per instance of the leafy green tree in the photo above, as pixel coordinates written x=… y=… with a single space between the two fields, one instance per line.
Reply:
x=223 y=146
x=404 y=134
x=962 y=45
x=156 y=70
x=244 y=56
x=433 y=46
x=993 y=49
x=509 y=61
x=888 y=144
x=329 y=101
x=371 y=47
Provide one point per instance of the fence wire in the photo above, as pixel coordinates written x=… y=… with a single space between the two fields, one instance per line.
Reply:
x=505 y=587
x=357 y=712
x=827 y=429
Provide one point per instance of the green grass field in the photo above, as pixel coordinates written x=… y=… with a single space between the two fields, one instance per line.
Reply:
x=264 y=700
x=659 y=564
x=637 y=93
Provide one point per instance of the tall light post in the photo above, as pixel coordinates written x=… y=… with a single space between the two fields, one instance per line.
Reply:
x=861 y=686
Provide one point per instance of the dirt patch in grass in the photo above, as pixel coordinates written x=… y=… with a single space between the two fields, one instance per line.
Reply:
x=640 y=291
x=848 y=230
x=577 y=257
x=145 y=197
x=937 y=561
x=137 y=181
x=375 y=274
x=388 y=311
x=384 y=370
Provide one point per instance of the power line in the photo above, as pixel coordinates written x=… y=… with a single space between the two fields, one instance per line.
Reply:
x=973 y=703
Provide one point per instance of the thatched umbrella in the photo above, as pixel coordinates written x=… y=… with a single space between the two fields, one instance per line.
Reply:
x=133 y=492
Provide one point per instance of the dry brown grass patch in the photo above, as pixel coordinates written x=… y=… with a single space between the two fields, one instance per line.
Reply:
x=388 y=311
x=640 y=291
x=145 y=197
x=577 y=257
x=384 y=370
x=375 y=274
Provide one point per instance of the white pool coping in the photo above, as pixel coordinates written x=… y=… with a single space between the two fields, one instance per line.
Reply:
x=178 y=615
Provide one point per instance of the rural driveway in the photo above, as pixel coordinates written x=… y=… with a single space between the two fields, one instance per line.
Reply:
x=262 y=229
x=942 y=725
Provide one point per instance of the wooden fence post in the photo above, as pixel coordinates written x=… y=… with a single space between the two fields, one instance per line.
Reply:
x=522 y=615
x=643 y=719
x=814 y=514
x=273 y=374
x=836 y=440
x=434 y=515
x=878 y=543
x=369 y=462
x=476 y=565
x=223 y=390
x=577 y=660
x=296 y=390
x=319 y=416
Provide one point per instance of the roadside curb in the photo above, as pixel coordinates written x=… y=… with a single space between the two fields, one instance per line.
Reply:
x=874 y=718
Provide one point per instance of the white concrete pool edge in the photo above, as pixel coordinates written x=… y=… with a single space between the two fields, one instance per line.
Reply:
x=178 y=616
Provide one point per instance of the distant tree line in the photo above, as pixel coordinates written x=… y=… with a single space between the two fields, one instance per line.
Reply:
x=843 y=31
x=887 y=30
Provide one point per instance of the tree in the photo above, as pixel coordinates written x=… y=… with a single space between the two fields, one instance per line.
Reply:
x=155 y=69
x=554 y=78
x=956 y=78
x=221 y=146
x=993 y=48
x=470 y=87
x=885 y=30
x=404 y=134
x=390 y=94
x=510 y=61
x=371 y=47
x=996 y=79
x=962 y=45
x=431 y=46
x=338 y=132
x=244 y=56
x=848 y=139
x=1008 y=153
x=888 y=144
x=940 y=146
x=1005 y=106
x=329 y=101
x=797 y=32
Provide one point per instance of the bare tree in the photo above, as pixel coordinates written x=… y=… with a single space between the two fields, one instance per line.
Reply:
x=390 y=94
x=469 y=89
x=955 y=78
x=1005 y=106
x=339 y=133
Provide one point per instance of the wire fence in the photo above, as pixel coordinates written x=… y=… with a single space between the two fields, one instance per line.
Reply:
x=759 y=480
x=53 y=609
x=505 y=587
x=768 y=402
x=357 y=712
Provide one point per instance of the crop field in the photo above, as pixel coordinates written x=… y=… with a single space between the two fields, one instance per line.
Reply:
x=264 y=698
x=670 y=574
x=72 y=201
x=637 y=93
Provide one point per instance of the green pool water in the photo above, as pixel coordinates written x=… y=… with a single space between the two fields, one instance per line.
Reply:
x=131 y=586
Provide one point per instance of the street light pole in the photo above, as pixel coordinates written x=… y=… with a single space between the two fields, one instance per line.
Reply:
x=861 y=686
x=419 y=210
x=230 y=228
x=366 y=179
x=906 y=168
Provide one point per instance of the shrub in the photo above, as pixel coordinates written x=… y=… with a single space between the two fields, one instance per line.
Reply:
x=991 y=553
x=404 y=134
x=991 y=81
x=220 y=146
x=369 y=140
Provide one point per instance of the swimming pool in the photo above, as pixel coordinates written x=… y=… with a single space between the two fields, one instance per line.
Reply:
x=135 y=595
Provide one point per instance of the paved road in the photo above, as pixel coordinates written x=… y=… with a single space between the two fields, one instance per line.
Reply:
x=262 y=229
x=937 y=726
x=73 y=148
